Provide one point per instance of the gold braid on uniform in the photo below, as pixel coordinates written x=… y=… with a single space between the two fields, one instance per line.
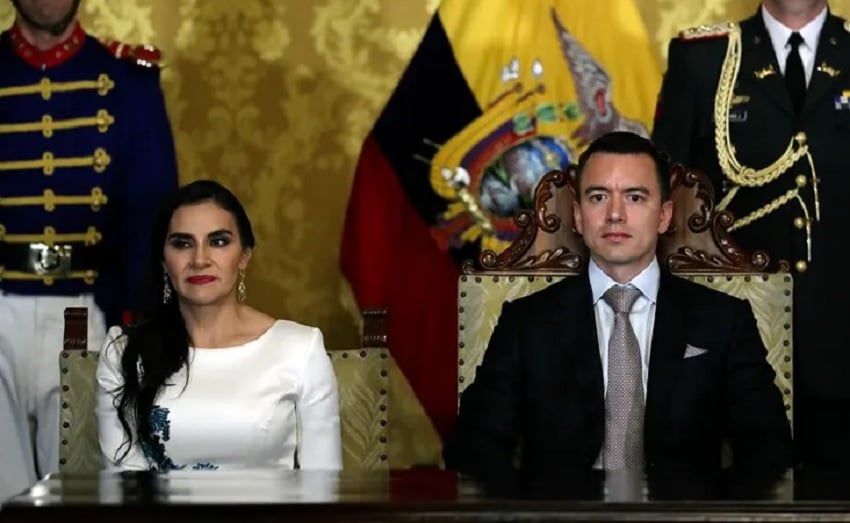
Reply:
x=743 y=176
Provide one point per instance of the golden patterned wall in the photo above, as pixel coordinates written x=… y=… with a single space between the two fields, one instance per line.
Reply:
x=273 y=98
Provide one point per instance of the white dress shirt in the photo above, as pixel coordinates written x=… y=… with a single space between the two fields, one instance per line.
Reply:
x=780 y=33
x=642 y=316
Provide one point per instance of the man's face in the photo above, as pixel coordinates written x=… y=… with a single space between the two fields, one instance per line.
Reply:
x=44 y=14
x=619 y=211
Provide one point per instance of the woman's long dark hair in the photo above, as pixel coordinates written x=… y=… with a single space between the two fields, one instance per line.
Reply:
x=158 y=345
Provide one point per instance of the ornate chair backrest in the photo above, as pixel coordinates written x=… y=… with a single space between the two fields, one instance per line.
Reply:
x=79 y=450
x=697 y=246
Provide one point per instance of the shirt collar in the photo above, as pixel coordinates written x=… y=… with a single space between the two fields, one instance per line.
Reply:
x=646 y=282
x=56 y=55
x=779 y=32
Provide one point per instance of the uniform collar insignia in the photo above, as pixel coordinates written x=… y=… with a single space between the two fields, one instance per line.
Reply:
x=764 y=72
x=828 y=69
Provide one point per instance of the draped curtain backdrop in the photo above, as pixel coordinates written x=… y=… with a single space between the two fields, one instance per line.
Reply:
x=273 y=98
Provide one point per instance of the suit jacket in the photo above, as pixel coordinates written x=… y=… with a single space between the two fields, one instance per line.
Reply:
x=540 y=388
x=762 y=123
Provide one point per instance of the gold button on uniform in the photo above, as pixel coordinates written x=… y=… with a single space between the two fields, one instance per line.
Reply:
x=800 y=180
x=799 y=223
x=801 y=266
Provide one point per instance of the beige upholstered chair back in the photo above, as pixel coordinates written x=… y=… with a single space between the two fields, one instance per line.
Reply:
x=362 y=377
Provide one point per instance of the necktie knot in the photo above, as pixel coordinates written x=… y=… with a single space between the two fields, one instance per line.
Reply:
x=795 y=40
x=621 y=298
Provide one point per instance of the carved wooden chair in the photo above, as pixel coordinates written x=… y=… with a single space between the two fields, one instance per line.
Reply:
x=362 y=377
x=697 y=246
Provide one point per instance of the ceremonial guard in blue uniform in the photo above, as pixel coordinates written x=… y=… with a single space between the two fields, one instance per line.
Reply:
x=86 y=154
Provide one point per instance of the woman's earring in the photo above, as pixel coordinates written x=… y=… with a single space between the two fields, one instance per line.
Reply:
x=166 y=289
x=241 y=292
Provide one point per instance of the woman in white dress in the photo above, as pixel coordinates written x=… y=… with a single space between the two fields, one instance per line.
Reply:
x=204 y=381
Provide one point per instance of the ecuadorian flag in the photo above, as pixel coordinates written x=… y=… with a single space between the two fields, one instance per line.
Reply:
x=498 y=93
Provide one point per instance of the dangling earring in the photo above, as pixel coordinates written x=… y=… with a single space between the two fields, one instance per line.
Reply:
x=166 y=290
x=241 y=292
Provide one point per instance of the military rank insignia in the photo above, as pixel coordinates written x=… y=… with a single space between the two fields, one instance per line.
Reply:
x=703 y=32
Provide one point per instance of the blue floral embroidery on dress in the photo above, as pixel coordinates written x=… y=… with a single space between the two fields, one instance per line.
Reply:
x=161 y=432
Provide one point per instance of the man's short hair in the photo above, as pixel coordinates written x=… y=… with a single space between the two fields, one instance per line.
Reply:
x=624 y=142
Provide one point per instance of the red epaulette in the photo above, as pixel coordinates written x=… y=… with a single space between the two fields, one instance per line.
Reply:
x=143 y=55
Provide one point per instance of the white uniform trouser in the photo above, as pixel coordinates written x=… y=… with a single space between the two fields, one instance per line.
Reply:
x=31 y=336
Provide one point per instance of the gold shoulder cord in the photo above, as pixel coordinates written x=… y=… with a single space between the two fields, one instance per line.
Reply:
x=743 y=176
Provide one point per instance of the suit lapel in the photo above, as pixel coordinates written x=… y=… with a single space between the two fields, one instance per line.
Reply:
x=667 y=351
x=580 y=344
x=759 y=67
x=830 y=63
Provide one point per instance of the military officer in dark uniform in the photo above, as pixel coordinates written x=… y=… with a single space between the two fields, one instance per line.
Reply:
x=763 y=107
x=86 y=152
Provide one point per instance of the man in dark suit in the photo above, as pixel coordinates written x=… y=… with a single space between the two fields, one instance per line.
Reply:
x=575 y=379
x=763 y=108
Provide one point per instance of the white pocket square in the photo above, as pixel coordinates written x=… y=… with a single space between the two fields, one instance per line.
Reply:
x=691 y=351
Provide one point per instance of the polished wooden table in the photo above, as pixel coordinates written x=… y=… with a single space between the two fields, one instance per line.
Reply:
x=426 y=495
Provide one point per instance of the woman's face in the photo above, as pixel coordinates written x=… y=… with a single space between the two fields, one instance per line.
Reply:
x=203 y=254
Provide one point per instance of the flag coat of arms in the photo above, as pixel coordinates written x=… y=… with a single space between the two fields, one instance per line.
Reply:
x=498 y=93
